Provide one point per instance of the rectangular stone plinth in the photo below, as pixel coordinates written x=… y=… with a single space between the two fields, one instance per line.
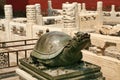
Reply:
x=81 y=71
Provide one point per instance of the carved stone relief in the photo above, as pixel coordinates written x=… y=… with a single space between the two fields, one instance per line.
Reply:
x=88 y=18
x=69 y=13
x=21 y=31
x=3 y=60
x=106 y=14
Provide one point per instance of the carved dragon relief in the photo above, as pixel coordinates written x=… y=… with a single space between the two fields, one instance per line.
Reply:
x=69 y=13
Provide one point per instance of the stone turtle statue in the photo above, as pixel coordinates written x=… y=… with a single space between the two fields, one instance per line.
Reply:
x=55 y=49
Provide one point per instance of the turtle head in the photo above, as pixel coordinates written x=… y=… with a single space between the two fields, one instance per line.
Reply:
x=83 y=39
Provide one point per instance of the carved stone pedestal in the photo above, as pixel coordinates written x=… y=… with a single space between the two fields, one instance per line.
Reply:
x=80 y=71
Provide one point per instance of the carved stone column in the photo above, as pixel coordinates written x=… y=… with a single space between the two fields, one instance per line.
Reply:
x=100 y=15
x=8 y=12
x=31 y=13
x=39 y=19
x=70 y=12
x=113 y=15
x=31 y=20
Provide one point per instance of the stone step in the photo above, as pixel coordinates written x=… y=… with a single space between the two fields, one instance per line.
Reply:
x=8 y=75
x=11 y=78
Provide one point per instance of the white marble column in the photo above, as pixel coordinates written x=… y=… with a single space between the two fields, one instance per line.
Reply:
x=31 y=13
x=70 y=18
x=39 y=19
x=113 y=11
x=38 y=9
x=99 y=5
x=83 y=7
x=8 y=12
x=100 y=15
x=6 y=24
x=79 y=7
x=31 y=20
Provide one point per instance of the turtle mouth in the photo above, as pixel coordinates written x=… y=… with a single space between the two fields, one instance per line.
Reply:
x=82 y=36
x=85 y=37
x=85 y=41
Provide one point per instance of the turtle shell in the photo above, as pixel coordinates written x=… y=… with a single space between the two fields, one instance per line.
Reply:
x=50 y=45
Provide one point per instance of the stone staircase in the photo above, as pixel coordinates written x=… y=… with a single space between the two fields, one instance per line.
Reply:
x=8 y=74
x=11 y=78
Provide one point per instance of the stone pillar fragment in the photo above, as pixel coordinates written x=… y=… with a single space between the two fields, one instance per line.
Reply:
x=39 y=19
x=79 y=7
x=49 y=8
x=83 y=7
x=70 y=17
x=113 y=11
x=113 y=8
x=38 y=9
x=31 y=20
x=99 y=6
x=8 y=12
x=31 y=13
x=8 y=17
x=100 y=15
